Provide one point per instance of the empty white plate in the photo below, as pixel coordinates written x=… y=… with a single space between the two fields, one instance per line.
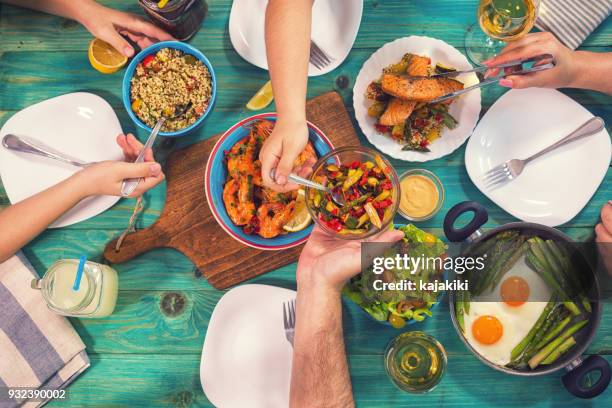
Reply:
x=246 y=360
x=80 y=124
x=554 y=188
x=334 y=28
x=466 y=109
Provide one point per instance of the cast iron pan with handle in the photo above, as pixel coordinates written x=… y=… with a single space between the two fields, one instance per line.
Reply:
x=577 y=367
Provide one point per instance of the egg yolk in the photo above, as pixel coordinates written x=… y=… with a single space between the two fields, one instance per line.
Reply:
x=487 y=329
x=514 y=291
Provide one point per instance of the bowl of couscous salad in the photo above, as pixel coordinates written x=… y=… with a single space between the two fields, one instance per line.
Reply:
x=164 y=77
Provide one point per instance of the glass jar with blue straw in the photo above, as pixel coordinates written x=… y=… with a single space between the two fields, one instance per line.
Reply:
x=79 y=288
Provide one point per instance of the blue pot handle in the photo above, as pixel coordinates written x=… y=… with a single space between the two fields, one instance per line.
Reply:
x=480 y=218
x=572 y=380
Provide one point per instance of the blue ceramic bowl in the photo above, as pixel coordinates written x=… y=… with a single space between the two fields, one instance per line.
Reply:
x=129 y=73
x=216 y=176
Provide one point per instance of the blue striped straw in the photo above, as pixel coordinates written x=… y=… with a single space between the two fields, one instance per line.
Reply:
x=79 y=274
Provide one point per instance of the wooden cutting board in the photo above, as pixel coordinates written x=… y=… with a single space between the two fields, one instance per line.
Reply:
x=187 y=225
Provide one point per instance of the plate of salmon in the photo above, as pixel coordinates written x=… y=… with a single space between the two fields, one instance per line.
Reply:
x=394 y=97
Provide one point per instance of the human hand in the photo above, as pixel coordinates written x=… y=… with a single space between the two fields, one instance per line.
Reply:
x=563 y=75
x=328 y=262
x=280 y=150
x=106 y=178
x=603 y=233
x=109 y=25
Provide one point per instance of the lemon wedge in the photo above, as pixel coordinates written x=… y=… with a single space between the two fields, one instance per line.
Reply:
x=104 y=58
x=301 y=217
x=262 y=98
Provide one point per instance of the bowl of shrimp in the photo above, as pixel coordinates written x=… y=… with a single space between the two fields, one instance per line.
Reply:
x=249 y=212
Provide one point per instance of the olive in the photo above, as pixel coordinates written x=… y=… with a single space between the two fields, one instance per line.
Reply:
x=396 y=321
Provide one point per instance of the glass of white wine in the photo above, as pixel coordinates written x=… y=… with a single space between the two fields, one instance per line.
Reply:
x=499 y=22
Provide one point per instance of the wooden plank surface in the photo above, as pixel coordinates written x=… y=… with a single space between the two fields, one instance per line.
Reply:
x=148 y=353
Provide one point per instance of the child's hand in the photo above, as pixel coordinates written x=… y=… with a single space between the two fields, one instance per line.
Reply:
x=109 y=25
x=106 y=178
x=287 y=141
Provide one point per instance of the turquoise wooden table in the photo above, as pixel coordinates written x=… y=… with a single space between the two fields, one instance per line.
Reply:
x=148 y=353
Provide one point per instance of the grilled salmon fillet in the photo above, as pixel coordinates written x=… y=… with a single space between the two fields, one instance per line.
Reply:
x=418 y=89
x=398 y=110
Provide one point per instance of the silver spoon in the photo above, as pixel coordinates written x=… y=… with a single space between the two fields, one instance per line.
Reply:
x=26 y=145
x=294 y=178
x=129 y=185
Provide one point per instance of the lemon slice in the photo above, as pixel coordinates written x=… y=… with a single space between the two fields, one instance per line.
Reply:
x=301 y=217
x=262 y=98
x=104 y=58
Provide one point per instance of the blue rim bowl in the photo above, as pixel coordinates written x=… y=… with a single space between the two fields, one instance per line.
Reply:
x=152 y=49
x=216 y=176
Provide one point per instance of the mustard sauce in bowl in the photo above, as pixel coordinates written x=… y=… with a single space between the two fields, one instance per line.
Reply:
x=421 y=195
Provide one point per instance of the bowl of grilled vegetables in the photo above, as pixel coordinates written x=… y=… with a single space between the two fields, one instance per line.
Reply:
x=395 y=99
x=534 y=307
x=247 y=210
x=362 y=194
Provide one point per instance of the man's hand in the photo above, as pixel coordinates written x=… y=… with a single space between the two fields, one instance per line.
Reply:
x=328 y=262
x=110 y=25
x=287 y=141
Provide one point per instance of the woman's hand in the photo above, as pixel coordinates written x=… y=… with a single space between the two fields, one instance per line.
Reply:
x=281 y=148
x=563 y=75
x=106 y=178
x=109 y=25
x=326 y=262
x=603 y=233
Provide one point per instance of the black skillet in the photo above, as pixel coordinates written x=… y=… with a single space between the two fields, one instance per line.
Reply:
x=577 y=367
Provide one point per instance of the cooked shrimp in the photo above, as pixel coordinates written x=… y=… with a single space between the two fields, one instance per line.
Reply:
x=238 y=200
x=272 y=217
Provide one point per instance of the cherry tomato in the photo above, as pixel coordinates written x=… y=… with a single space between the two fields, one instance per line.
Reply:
x=148 y=60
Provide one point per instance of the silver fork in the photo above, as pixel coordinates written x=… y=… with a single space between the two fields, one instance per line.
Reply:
x=289 y=320
x=318 y=57
x=513 y=168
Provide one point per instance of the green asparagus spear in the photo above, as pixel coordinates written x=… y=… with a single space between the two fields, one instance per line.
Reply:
x=552 y=333
x=498 y=265
x=563 y=347
x=513 y=259
x=545 y=352
x=518 y=350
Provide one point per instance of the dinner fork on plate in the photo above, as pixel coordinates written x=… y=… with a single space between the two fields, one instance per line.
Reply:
x=289 y=320
x=513 y=168
x=319 y=58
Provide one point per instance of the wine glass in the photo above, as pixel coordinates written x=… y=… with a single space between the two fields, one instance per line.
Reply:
x=500 y=21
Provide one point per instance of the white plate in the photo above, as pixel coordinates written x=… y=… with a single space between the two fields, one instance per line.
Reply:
x=553 y=189
x=466 y=109
x=246 y=360
x=334 y=28
x=79 y=124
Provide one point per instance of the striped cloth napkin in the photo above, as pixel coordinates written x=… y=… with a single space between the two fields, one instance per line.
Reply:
x=38 y=348
x=572 y=21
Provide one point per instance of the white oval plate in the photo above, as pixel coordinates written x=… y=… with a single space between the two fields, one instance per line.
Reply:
x=80 y=124
x=554 y=188
x=465 y=109
x=334 y=28
x=245 y=349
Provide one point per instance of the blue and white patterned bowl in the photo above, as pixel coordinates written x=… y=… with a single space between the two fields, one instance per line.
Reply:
x=216 y=176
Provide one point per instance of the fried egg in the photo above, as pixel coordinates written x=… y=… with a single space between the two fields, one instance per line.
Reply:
x=499 y=320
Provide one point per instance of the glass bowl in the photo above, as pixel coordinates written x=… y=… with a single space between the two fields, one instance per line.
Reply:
x=347 y=155
x=436 y=181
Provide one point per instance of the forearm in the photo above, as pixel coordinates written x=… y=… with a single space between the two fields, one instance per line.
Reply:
x=72 y=9
x=23 y=221
x=593 y=71
x=287 y=46
x=320 y=375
